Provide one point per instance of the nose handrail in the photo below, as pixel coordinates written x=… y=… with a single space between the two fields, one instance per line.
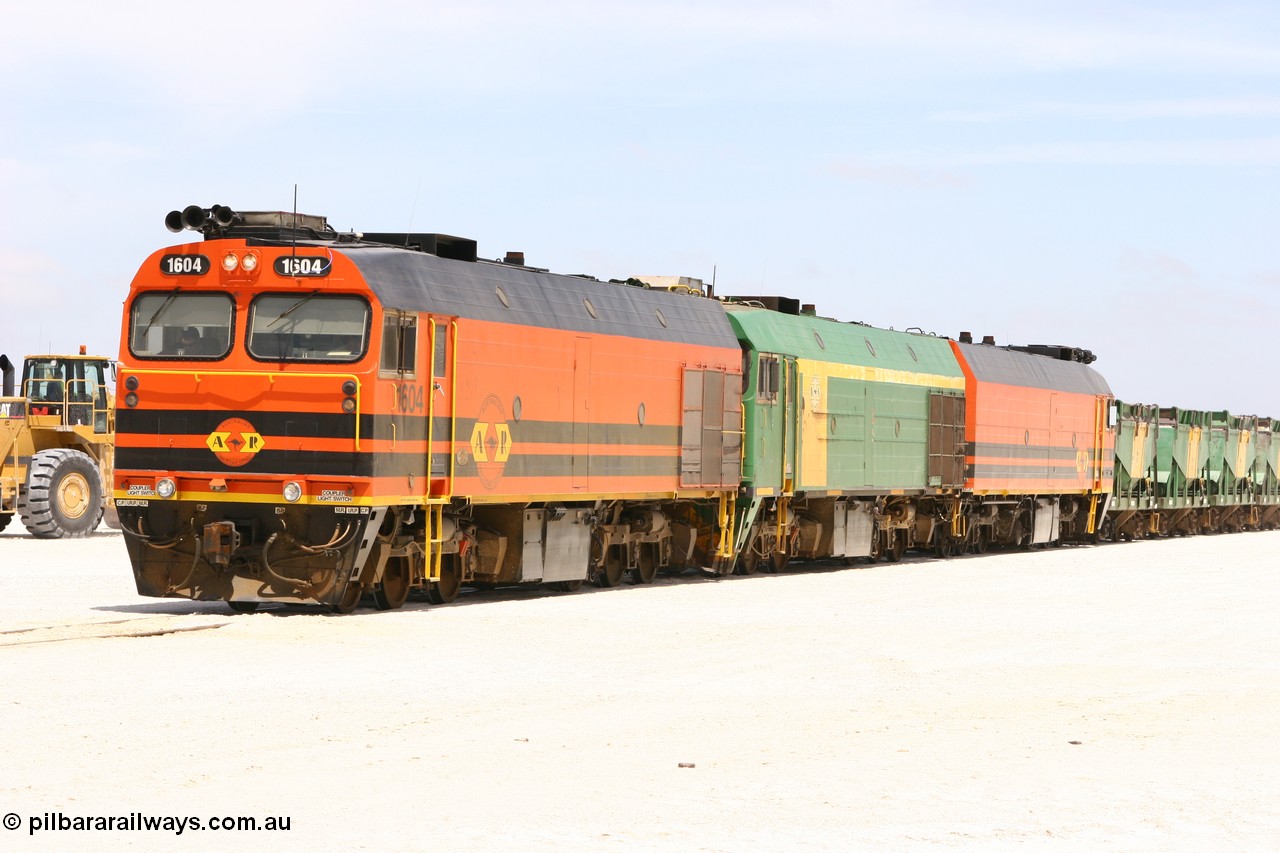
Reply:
x=270 y=377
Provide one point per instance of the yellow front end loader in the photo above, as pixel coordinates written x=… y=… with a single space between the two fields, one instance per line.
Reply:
x=57 y=444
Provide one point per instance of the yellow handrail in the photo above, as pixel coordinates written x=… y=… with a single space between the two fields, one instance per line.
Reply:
x=453 y=401
x=435 y=505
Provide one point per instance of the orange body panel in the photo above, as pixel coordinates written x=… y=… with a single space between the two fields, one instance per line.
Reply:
x=533 y=411
x=1024 y=440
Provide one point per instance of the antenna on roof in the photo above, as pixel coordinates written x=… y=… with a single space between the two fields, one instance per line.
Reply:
x=295 y=220
x=413 y=212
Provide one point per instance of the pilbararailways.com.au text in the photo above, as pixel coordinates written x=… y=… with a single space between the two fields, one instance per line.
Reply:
x=139 y=822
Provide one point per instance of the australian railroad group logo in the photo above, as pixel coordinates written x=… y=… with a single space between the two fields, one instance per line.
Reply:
x=234 y=442
x=491 y=441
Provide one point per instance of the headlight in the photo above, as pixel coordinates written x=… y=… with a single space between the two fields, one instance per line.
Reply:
x=166 y=488
x=292 y=491
x=249 y=262
x=348 y=404
x=230 y=261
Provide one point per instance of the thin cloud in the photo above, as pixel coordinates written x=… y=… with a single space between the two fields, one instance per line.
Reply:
x=190 y=45
x=896 y=175
x=1189 y=108
x=1224 y=153
x=1158 y=268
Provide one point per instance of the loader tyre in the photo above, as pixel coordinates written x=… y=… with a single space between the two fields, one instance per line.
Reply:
x=63 y=498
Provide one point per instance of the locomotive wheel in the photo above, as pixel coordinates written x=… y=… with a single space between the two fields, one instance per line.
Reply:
x=1018 y=538
x=4 y=519
x=350 y=598
x=567 y=586
x=942 y=548
x=749 y=560
x=393 y=592
x=243 y=606
x=63 y=496
x=981 y=540
x=897 y=546
x=879 y=547
x=777 y=562
x=646 y=567
x=446 y=589
x=610 y=573
x=720 y=566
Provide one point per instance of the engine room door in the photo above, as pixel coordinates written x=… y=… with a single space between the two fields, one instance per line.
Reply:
x=711 y=429
x=946 y=441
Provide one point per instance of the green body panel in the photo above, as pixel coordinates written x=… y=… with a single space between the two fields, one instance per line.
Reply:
x=847 y=438
x=768 y=445
x=853 y=412
x=877 y=434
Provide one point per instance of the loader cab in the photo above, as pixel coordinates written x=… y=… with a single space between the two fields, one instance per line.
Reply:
x=71 y=389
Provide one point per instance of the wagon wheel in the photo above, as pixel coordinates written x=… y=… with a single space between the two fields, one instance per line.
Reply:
x=610 y=573
x=646 y=567
x=242 y=606
x=393 y=592
x=777 y=562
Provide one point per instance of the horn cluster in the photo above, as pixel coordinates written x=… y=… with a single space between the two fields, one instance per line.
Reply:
x=203 y=219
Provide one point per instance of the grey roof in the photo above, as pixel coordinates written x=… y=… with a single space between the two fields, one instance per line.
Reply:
x=423 y=282
x=1009 y=367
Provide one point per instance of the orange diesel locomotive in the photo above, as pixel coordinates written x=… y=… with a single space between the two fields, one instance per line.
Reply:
x=307 y=416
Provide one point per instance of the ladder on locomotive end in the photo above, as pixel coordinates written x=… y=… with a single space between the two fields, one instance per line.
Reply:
x=435 y=500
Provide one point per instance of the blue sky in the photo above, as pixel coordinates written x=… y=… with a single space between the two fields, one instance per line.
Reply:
x=1103 y=175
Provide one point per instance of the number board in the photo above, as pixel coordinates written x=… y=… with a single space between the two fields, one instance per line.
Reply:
x=184 y=265
x=301 y=266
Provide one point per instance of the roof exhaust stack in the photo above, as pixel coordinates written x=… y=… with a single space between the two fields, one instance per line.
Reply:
x=7 y=367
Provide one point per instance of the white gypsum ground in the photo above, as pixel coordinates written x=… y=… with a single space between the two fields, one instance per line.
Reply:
x=1120 y=697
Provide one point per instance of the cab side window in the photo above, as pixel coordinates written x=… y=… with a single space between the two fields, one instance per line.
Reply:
x=399 y=343
x=767 y=379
